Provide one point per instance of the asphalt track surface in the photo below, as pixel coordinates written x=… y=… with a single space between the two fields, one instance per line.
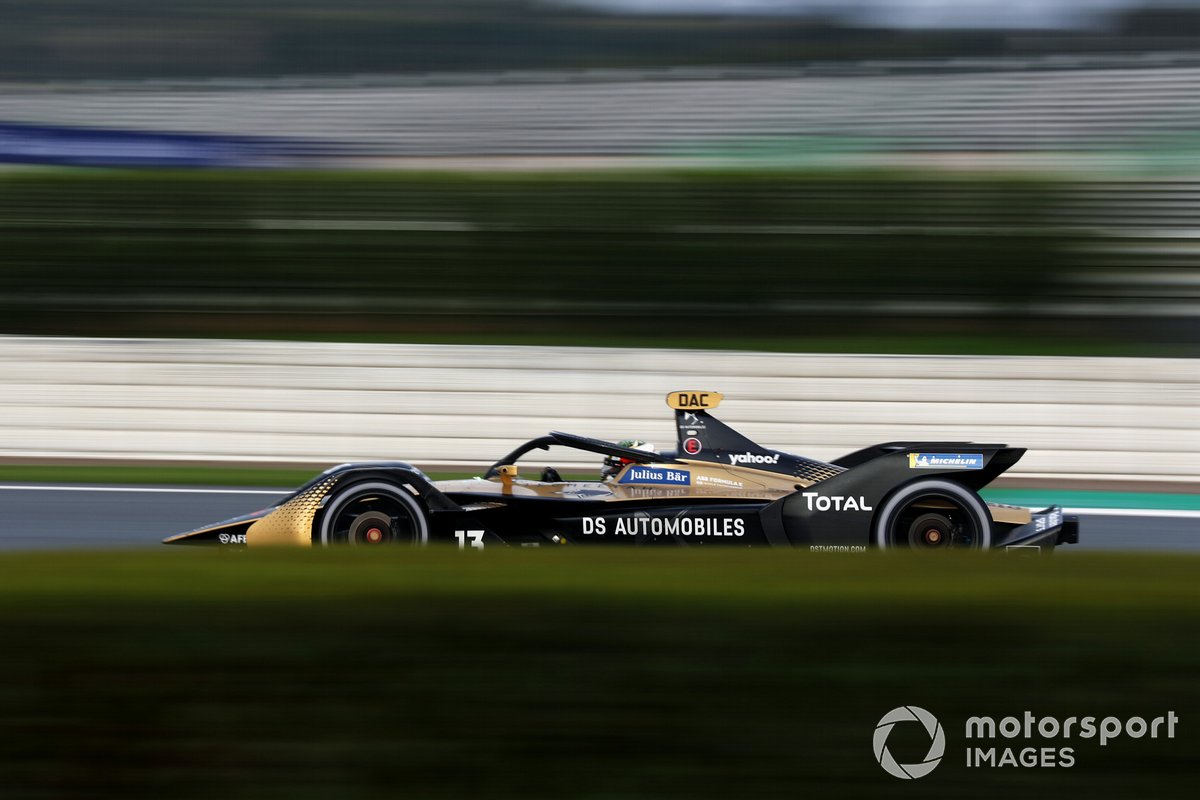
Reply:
x=42 y=517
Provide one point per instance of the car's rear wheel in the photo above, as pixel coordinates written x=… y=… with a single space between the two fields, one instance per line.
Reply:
x=373 y=514
x=932 y=515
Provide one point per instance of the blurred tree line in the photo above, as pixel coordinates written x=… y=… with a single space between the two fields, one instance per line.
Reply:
x=655 y=254
x=212 y=38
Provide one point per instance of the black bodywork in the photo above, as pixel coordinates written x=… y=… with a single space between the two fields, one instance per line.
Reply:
x=831 y=506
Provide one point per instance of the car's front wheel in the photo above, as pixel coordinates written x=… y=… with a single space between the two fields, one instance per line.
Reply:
x=931 y=515
x=373 y=514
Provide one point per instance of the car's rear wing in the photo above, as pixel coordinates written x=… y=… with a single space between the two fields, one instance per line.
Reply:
x=969 y=463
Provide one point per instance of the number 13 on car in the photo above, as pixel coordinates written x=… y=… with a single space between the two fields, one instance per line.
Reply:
x=474 y=538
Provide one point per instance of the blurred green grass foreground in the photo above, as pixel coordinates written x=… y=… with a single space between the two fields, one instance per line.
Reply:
x=568 y=674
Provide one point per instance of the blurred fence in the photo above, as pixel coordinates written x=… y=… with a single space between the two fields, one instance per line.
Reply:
x=441 y=405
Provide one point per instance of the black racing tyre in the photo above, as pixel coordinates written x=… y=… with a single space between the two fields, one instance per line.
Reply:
x=373 y=514
x=933 y=514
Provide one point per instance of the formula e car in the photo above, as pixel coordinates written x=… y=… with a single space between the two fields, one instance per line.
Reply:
x=716 y=488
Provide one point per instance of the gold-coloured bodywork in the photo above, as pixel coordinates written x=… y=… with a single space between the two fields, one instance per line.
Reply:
x=291 y=523
x=1015 y=515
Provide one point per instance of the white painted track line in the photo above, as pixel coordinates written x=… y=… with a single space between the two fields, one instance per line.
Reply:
x=140 y=489
x=1177 y=513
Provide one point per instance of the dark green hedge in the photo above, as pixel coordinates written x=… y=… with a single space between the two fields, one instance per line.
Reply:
x=415 y=249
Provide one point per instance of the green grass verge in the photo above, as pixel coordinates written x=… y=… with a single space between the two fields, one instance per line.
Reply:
x=569 y=674
x=169 y=475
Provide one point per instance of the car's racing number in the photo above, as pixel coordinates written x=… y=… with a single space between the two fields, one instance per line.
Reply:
x=474 y=538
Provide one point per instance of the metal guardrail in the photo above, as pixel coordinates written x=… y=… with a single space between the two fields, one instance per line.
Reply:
x=259 y=401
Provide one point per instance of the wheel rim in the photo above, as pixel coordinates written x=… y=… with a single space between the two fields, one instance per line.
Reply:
x=373 y=518
x=934 y=520
x=931 y=531
x=948 y=507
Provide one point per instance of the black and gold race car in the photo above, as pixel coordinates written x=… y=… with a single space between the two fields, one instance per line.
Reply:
x=716 y=488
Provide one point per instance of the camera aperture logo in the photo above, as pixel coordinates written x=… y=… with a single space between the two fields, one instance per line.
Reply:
x=937 y=742
x=988 y=739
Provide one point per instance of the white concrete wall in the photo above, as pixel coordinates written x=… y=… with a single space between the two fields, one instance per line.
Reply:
x=444 y=405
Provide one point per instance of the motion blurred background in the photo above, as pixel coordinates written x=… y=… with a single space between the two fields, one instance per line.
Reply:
x=286 y=233
x=888 y=175
x=801 y=176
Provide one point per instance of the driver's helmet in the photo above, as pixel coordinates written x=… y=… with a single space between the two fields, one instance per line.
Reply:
x=614 y=464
